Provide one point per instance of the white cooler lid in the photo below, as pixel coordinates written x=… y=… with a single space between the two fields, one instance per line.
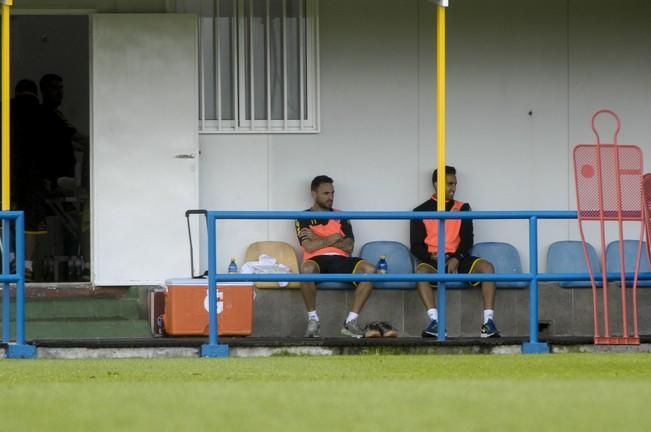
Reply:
x=202 y=281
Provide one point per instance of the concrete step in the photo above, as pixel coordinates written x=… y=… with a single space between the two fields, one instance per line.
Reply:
x=47 y=309
x=85 y=329
x=79 y=308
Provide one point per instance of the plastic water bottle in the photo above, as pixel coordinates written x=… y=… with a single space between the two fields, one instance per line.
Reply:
x=232 y=267
x=382 y=266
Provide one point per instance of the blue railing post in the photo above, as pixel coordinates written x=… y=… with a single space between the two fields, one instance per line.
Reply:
x=20 y=285
x=19 y=349
x=441 y=285
x=212 y=349
x=533 y=346
x=6 y=289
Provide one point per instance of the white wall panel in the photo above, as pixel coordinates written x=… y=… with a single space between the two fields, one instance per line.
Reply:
x=610 y=64
x=368 y=140
x=234 y=176
x=507 y=111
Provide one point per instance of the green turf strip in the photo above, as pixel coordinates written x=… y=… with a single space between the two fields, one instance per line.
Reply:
x=577 y=392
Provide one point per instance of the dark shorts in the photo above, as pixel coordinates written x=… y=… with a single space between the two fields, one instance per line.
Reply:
x=466 y=266
x=336 y=263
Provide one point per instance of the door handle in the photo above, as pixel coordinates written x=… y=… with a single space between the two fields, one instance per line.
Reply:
x=184 y=156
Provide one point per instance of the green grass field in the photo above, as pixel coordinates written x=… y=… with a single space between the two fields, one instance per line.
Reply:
x=576 y=392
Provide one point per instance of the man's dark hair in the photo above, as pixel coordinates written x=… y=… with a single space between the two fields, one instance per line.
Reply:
x=319 y=180
x=47 y=79
x=449 y=170
x=26 y=86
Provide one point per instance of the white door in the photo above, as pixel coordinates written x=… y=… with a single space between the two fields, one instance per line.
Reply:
x=144 y=146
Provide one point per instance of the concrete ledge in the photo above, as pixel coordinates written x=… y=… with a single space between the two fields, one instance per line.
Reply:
x=562 y=311
x=269 y=347
x=115 y=353
x=565 y=349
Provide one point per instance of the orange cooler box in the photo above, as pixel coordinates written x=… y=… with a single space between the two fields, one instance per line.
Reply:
x=186 y=308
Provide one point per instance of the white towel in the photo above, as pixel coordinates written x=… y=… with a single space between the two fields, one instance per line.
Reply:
x=265 y=264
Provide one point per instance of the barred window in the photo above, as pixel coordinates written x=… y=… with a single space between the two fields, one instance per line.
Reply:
x=258 y=65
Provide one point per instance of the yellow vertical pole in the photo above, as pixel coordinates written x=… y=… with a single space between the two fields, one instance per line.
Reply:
x=440 y=105
x=6 y=96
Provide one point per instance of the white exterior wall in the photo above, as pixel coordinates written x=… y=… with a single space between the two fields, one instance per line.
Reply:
x=368 y=141
x=559 y=60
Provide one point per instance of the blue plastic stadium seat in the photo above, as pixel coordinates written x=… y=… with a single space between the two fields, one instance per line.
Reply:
x=399 y=260
x=504 y=257
x=630 y=253
x=567 y=256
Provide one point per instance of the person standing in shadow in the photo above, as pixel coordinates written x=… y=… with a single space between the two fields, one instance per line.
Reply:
x=28 y=162
x=62 y=138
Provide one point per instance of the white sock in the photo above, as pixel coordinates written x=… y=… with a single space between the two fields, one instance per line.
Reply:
x=488 y=315
x=433 y=314
x=351 y=316
x=28 y=265
x=312 y=315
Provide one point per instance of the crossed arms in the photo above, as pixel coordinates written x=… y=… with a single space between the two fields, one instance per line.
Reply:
x=312 y=242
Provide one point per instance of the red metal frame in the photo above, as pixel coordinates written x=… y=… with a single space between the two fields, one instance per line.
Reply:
x=646 y=196
x=608 y=180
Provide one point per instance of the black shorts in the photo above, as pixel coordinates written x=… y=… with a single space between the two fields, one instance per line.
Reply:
x=336 y=263
x=466 y=266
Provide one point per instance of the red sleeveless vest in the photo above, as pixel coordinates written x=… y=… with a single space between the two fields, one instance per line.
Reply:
x=452 y=230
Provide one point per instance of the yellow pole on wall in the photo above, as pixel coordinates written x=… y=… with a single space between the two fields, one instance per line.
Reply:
x=6 y=96
x=440 y=104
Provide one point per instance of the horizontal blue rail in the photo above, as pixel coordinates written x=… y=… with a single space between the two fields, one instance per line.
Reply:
x=9 y=278
x=412 y=277
x=390 y=215
x=533 y=277
x=11 y=215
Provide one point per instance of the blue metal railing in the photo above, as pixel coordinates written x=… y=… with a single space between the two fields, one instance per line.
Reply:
x=533 y=277
x=18 y=349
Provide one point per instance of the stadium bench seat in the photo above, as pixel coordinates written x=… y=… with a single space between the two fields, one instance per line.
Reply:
x=398 y=257
x=504 y=257
x=567 y=256
x=630 y=253
x=281 y=251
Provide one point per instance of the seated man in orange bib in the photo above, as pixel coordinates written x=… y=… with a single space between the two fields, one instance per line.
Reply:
x=327 y=245
x=458 y=243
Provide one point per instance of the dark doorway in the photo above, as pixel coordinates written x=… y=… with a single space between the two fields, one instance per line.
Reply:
x=58 y=45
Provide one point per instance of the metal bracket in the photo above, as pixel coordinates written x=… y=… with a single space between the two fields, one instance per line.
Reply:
x=15 y=351
x=214 y=351
x=535 y=348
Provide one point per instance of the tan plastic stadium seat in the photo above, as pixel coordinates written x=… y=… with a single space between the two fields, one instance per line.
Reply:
x=281 y=251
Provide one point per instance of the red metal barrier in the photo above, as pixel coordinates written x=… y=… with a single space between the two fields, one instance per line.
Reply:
x=608 y=178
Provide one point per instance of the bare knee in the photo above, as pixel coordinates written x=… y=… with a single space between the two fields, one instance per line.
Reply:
x=365 y=267
x=309 y=267
x=424 y=269
x=485 y=267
